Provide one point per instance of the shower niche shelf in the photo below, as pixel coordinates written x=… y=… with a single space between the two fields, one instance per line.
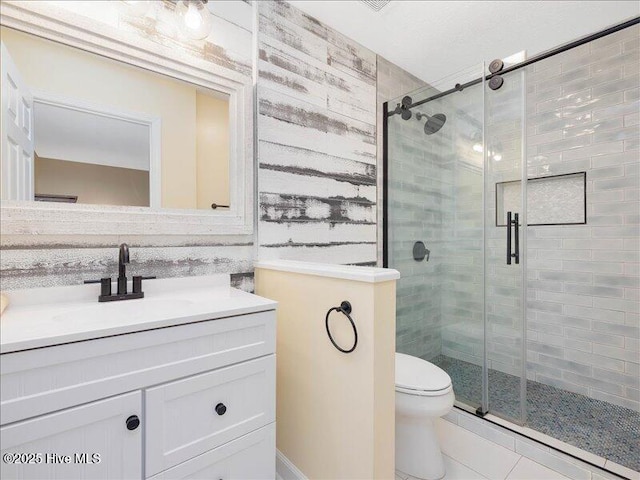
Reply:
x=551 y=200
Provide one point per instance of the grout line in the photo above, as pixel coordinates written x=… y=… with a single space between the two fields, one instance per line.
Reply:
x=461 y=462
x=467 y=466
x=514 y=466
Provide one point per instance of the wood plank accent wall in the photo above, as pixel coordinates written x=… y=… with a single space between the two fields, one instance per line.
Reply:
x=28 y=262
x=316 y=140
x=316 y=154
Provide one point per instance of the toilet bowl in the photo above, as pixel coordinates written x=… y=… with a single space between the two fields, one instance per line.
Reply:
x=423 y=393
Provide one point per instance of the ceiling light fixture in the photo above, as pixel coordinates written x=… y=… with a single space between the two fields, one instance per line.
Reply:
x=194 y=19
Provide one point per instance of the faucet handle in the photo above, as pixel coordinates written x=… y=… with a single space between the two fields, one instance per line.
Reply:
x=137 y=282
x=105 y=285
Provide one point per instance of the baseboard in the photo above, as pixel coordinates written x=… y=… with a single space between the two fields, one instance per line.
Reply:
x=286 y=470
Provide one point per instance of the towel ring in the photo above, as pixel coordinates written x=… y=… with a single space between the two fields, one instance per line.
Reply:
x=345 y=308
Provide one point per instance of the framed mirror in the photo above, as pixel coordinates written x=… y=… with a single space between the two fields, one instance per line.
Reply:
x=91 y=126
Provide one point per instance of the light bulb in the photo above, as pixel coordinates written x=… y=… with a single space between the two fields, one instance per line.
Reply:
x=497 y=157
x=477 y=147
x=192 y=18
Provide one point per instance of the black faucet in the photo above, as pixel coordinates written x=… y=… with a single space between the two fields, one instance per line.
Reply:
x=123 y=259
x=105 y=283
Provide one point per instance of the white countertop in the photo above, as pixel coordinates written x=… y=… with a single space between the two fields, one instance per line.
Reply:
x=43 y=317
x=348 y=272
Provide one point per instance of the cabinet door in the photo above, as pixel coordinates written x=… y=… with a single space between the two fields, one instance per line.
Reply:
x=196 y=414
x=251 y=457
x=90 y=441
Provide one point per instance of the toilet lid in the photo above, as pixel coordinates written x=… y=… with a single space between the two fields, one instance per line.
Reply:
x=413 y=373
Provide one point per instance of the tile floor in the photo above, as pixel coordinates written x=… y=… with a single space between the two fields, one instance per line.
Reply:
x=470 y=457
x=604 y=429
x=507 y=456
x=525 y=469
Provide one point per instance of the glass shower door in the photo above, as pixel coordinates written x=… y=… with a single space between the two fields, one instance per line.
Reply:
x=434 y=223
x=505 y=239
x=455 y=216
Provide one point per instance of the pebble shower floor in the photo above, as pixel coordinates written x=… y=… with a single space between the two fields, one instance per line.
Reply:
x=604 y=429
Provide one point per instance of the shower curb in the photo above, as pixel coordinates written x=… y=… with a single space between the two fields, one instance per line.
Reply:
x=495 y=429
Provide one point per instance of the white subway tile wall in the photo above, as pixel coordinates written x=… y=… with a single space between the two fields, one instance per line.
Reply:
x=583 y=329
x=415 y=214
x=435 y=184
x=391 y=82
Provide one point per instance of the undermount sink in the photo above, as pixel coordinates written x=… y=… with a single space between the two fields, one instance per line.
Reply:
x=101 y=312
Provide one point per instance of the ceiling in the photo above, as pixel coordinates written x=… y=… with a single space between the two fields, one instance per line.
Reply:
x=63 y=133
x=434 y=39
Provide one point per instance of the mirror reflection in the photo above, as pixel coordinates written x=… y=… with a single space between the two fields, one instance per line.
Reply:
x=82 y=128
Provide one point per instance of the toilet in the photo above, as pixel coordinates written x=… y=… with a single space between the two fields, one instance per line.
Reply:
x=423 y=393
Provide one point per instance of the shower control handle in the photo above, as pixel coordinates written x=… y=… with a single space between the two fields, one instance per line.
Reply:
x=513 y=221
x=420 y=251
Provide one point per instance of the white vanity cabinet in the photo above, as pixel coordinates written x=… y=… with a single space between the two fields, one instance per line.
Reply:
x=89 y=441
x=190 y=400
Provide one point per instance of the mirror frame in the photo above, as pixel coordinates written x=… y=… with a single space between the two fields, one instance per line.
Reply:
x=42 y=218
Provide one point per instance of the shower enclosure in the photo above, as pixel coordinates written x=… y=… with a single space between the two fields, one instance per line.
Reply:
x=511 y=210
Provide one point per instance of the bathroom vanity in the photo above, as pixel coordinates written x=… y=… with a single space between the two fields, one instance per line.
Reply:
x=179 y=384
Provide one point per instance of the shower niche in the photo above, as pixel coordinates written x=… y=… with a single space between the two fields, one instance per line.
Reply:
x=552 y=200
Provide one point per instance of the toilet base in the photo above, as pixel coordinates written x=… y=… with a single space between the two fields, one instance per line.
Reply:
x=417 y=448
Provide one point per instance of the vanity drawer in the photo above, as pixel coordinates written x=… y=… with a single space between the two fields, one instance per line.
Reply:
x=251 y=457
x=189 y=417
x=43 y=380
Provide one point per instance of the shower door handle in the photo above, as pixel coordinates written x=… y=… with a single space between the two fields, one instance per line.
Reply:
x=509 y=238
x=516 y=234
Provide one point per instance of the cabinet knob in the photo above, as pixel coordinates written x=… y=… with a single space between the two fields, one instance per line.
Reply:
x=221 y=409
x=133 y=422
